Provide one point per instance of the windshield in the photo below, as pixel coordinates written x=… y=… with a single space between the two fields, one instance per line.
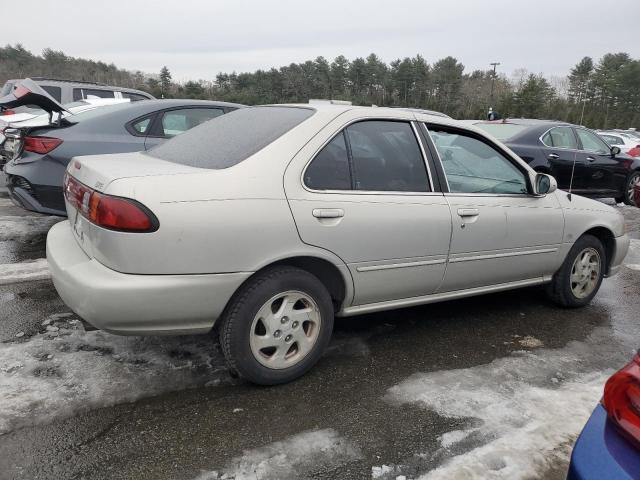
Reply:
x=229 y=139
x=6 y=89
x=502 y=131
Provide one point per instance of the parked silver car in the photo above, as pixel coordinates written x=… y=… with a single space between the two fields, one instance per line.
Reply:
x=268 y=221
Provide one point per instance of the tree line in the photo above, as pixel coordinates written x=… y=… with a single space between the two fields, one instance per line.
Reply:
x=602 y=94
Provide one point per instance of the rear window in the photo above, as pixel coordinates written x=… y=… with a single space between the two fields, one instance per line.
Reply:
x=502 y=131
x=229 y=139
x=96 y=112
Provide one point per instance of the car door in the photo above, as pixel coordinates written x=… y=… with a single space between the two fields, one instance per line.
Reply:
x=169 y=123
x=560 y=147
x=501 y=232
x=602 y=170
x=362 y=189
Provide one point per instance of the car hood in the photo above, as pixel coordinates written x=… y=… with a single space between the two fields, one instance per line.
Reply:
x=29 y=93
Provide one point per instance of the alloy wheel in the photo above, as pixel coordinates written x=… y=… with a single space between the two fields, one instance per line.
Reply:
x=585 y=272
x=285 y=329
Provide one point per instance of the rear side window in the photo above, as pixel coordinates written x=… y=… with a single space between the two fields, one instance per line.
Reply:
x=371 y=155
x=142 y=126
x=560 y=137
x=85 y=93
x=134 y=97
x=231 y=138
x=175 y=122
x=55 y=92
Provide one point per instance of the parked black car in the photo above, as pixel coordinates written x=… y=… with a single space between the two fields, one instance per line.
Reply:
x=40 y=155
x=553 y=147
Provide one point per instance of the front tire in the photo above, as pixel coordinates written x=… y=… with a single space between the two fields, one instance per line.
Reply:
x=581 y=274
x=628 y=195
x=277 y=326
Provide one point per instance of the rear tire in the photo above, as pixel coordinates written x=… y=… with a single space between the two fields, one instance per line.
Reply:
x=277 y=326
x=581 y=274
x=628 y=196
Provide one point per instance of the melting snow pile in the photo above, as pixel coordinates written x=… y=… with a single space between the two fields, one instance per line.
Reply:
x=297 y=456
x=524 y=410
x=20 y=272
x=66 y=370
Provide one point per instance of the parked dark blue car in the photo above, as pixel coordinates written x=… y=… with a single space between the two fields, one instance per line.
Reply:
x=609 y=446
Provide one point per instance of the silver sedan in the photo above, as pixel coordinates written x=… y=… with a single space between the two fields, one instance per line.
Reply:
x=269 y=221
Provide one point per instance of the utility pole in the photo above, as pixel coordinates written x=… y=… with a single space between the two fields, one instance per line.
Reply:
x=493 y=79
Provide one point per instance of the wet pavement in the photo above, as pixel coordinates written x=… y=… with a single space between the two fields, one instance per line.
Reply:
x=488 y=387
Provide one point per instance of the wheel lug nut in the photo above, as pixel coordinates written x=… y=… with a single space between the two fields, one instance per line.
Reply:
x=277 y=333
x=284 y=320
x=287 y=338
x=294 y=324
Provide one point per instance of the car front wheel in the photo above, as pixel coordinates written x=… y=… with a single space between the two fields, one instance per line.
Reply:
x=277 y=326
x=581 y=274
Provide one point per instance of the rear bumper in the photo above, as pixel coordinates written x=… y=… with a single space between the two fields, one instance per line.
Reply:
x=621 y=247
x=601 y=452
x=129 y=304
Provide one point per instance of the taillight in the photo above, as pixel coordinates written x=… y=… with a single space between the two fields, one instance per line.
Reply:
x=621 y=400
x=8 y=112
x=107 y=211
x=41 y=145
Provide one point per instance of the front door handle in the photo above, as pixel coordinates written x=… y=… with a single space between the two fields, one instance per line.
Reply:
x=591 y=159
x=468 y=212
x=553 y=156
x=328 y=212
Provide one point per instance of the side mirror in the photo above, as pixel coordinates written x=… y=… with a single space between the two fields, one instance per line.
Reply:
x=545 y=184
x=615 y=151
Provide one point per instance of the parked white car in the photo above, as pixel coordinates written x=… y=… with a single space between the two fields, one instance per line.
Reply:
x=621 y=140
x=267 y=222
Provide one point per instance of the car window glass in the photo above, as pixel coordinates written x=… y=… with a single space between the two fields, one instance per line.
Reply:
x=560 y=137
x=134 y=97
x=386 y=157
x=329 y=170
x=591 y=142
x=611 y=140
x=473 y=166
x=95 y=93
x=141 y=126
x=175 y=122
x=55 y=92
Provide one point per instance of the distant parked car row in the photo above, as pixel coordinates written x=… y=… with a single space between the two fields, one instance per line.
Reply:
x=578 y=158
x=37 y=150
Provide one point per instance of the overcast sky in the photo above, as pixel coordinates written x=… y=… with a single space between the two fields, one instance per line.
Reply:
x=197 y=39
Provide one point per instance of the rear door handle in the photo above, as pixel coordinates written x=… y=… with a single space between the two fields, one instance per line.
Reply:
x=328 y=212
x=553 y=156
x=468 y=212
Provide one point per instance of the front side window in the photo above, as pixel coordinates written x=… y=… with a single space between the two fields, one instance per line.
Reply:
x=560 y=137
x=372 y=155
x=591 y=142
x=474 y=166
x=175 y=122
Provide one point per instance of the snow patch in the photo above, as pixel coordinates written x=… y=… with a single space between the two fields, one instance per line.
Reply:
x=632 y=260
x=65 y=370
x=530 y=342
x=26 y=271
x=19 y=228
x=294 y=457
x=5 y=202
x=529 y=407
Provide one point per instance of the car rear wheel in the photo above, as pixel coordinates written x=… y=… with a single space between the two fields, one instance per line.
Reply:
x=628 y=197
x=277 y=326
x=581 y=274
